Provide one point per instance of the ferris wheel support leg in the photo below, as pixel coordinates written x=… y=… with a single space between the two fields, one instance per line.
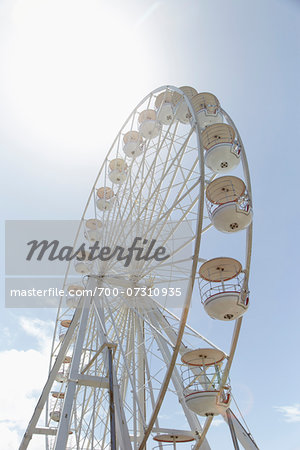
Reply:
x=122 y=432
x=232 y=431
x=111 y=401
x=141 y=366
x=140 y=327
x=66 y=415
x=204 y=433
x=51 y=378
x=176 y=379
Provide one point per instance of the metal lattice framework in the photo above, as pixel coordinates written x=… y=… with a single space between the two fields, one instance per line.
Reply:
x=116 y=350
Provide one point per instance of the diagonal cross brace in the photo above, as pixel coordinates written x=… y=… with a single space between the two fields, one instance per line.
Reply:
x=51 y=378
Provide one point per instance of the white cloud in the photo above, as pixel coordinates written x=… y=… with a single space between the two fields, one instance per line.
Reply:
x=7 y=336
x=39 y=329
x=217 y=422
x=22 y=377
x=9 y=435
x=291 y=413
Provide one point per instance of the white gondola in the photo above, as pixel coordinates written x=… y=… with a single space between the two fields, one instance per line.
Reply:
x=149 y=126
x=59 y=395
x=72 y=302
x=201 y=376
x=181 y=109
x=105 y=198
x=104 y=205
x=55 y=416
x=82 y=263
x=61 y=337
x=222 y=152
x=133 y=144
x=67 y=359
x=93 y=224
x=206 y=105
x=228 y=204
x=61 y=377
x=118 y=171
x=73 y=296
x=75 y=289
x=164 y=107
x=93 y=235
x=117 y=176
x=65 y=323
x=93 y=231
x=221 y=288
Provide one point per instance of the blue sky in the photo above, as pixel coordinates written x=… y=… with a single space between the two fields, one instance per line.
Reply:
x=70 y=74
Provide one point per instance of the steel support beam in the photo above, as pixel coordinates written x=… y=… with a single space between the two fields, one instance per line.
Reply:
x=232 y=432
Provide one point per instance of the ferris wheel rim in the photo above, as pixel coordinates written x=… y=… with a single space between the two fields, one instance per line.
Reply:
x=199 y=234
x=249 y=233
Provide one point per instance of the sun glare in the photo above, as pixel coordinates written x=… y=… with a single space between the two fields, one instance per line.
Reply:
x=68 y=59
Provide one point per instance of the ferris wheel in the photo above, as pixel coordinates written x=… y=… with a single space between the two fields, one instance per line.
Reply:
x=123 y=351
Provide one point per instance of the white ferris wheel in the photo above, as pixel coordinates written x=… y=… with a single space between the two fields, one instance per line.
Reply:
x=123 y=351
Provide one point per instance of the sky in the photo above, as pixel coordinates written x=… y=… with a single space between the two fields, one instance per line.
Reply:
x=71 y=72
